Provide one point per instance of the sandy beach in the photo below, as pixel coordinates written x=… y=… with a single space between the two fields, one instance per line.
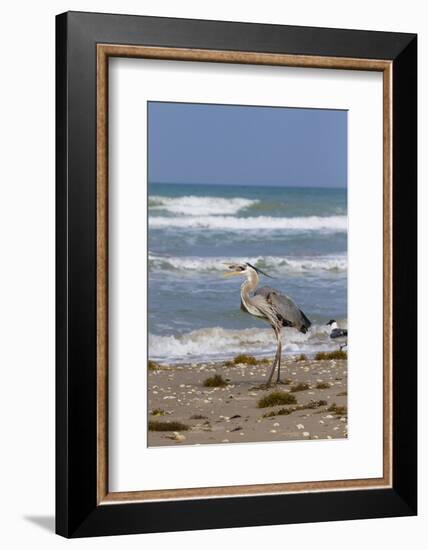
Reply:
x=185 y=410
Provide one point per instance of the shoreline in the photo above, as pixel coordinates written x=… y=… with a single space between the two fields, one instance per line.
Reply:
x=183 y=411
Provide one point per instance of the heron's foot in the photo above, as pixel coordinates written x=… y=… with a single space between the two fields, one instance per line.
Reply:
x=282 y=382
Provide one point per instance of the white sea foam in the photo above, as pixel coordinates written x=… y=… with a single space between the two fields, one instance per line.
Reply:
x=200 y=206
x=334 y=264
x=218 y=343
x=257 y=223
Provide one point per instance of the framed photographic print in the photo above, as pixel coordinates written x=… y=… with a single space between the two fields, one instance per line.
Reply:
x=236 y=274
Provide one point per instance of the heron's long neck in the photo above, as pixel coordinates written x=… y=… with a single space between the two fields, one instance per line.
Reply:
x=249 y=285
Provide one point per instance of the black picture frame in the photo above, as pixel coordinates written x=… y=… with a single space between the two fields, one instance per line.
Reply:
x=77 y=511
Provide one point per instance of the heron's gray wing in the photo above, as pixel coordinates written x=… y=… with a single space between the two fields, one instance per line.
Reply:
x=338 y=333
x=286 y=310
x=260 y=307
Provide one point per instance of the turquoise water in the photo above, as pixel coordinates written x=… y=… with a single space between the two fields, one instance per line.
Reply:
x=297 y=235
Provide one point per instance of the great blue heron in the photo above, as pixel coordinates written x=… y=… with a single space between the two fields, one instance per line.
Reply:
x=270 y=305
x=338 y=335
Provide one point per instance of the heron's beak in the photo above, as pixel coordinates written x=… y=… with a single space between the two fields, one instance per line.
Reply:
x=231 y=272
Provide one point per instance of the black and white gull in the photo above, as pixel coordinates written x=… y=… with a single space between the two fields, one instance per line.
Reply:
x=338 y=335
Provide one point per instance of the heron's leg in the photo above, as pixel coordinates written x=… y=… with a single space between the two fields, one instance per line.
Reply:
x=275 y=360
x=278 y=378
x=273 y=369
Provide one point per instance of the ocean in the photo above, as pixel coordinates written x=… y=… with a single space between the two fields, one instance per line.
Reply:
x=297 y=235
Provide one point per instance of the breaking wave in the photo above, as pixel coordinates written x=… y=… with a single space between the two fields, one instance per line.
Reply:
x=200 y=206
x=306 y=223
x=219 y=343
x=333 y=264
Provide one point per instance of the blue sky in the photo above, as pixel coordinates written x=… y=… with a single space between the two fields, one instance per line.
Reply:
x=228 y=144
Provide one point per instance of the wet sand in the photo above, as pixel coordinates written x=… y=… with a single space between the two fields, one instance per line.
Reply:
x=231 y=414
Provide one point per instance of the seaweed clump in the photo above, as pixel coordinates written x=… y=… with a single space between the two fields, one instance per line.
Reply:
x=216 y=381
x=338 y=354
x=157 y=426
x=301 y=386
x=152 y=365
x=244 y=359
x=276 y=398
x=322 y=386
x=289 y=410
x=338 y=410
x=157 y=412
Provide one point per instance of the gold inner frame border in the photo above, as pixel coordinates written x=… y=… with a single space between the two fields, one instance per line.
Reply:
x=104 y=52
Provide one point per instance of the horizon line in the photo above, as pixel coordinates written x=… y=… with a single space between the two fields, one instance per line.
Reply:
x=247 y=184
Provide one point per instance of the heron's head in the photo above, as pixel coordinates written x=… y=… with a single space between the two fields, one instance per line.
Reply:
x=331 y=322
x=244 y=269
